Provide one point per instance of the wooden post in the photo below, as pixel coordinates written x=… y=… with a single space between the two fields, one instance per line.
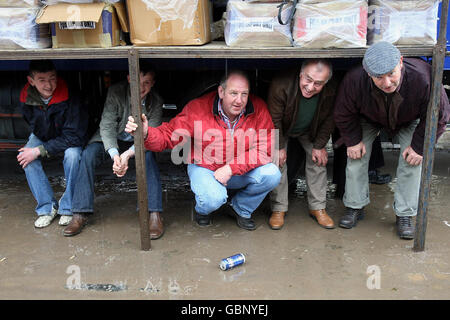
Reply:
x=430 y=132
x=141 y=180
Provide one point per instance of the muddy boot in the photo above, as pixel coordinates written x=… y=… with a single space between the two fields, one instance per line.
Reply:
x=79 y=220
x=203 y=220
x=351 y=217
x=156 y=226
x=405 y=229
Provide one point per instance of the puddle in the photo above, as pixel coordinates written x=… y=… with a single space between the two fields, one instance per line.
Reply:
x=100 y=287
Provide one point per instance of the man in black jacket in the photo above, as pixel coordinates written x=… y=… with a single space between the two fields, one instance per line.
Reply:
x=57 y=125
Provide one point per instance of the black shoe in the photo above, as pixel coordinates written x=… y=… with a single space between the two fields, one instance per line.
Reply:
x=376 y=178
x=405 y=229
x=351 y=217
x=202 y=219
x=244 y=223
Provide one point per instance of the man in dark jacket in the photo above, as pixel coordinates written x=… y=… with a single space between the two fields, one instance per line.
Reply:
x=112 y=142
x=393 y=93
x=58 y=124
x=301 y=106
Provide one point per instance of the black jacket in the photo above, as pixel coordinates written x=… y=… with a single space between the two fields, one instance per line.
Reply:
x=60 y=124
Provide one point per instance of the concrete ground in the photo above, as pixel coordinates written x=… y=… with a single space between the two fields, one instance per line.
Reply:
x=301 y=261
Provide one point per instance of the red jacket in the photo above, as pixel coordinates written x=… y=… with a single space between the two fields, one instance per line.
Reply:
x=213 y=145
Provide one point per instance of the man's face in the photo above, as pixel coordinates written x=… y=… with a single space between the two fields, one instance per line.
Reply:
x=390 y=81
x=312 y=79
x=44 y=82
x=234 y=96
x=146 y=82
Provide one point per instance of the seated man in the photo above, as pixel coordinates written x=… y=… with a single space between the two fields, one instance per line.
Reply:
x=231 y=132
x=393 y=93
x=58 y=124
x=107 y=141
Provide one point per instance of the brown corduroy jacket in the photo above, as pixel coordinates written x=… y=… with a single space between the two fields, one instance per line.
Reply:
x=283 y=102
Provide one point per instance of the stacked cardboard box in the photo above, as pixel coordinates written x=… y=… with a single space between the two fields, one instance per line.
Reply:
x=407 y=22
x=85 y=25
x=330 y=23
x=18 y=28
x=255 y=24
x=175 y=22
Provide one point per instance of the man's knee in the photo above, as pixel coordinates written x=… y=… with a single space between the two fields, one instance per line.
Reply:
x=269 y=175
x=211 y=200
x=72 y=155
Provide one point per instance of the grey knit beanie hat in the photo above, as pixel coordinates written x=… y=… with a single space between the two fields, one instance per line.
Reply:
x=381 y=58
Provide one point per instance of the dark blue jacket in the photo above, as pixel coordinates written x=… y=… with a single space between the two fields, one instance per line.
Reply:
x=59 y=125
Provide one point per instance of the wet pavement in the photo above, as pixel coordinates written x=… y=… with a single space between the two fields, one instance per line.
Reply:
x=300 y=261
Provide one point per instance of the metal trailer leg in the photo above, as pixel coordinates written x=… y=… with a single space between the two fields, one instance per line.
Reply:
x=430 y=132
x=141 y=178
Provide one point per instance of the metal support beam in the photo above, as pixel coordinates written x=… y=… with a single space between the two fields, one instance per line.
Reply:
x=430 y=132
x=141 y=180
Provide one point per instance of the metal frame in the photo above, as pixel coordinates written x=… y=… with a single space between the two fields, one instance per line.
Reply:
x=219 y=50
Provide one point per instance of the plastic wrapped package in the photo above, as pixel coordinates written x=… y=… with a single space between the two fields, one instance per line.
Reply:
x=255 y=24
x=403 y=22
x=20 y=3
x=52 y=2
x=330 y=24
x=18 y=29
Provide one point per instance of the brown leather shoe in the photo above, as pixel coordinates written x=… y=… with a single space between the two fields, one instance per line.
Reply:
x=276 y=220
x=79 y=220
x=322 y=218
x=156 y=226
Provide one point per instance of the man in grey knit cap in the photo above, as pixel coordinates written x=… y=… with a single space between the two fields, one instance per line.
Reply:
x=392 y=93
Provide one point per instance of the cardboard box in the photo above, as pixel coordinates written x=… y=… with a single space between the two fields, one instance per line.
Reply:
x=180 y=22
x=255 y=24
x=89 y=25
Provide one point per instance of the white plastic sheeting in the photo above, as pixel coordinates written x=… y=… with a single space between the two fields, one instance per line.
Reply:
x=403 y=22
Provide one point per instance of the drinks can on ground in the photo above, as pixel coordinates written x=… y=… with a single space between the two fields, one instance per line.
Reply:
x=231 y=262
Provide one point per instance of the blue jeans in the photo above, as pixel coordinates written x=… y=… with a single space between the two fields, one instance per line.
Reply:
x=40 y=186
x=253 y=187
x=93 y=155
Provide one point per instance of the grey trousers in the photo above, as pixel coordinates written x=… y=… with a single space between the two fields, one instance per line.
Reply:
x=316 y=182
x=406 y=194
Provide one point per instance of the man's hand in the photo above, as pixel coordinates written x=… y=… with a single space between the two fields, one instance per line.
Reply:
x=223 y=174
x=120 y=165
x=412 y=157
x=357 y=151
x=282 y=156
x=27 y=155
x=320 y=157
x=131 y=125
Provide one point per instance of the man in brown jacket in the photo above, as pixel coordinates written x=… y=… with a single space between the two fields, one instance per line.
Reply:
x=301 y=105
x=393 y=93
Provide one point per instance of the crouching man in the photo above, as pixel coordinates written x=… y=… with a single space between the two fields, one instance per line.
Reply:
x=231 y=131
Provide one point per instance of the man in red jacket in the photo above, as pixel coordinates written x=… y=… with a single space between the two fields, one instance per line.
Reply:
x=227 y=136
x=392 y=93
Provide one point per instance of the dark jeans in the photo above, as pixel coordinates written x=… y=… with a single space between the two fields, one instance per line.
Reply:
x=93 y=155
